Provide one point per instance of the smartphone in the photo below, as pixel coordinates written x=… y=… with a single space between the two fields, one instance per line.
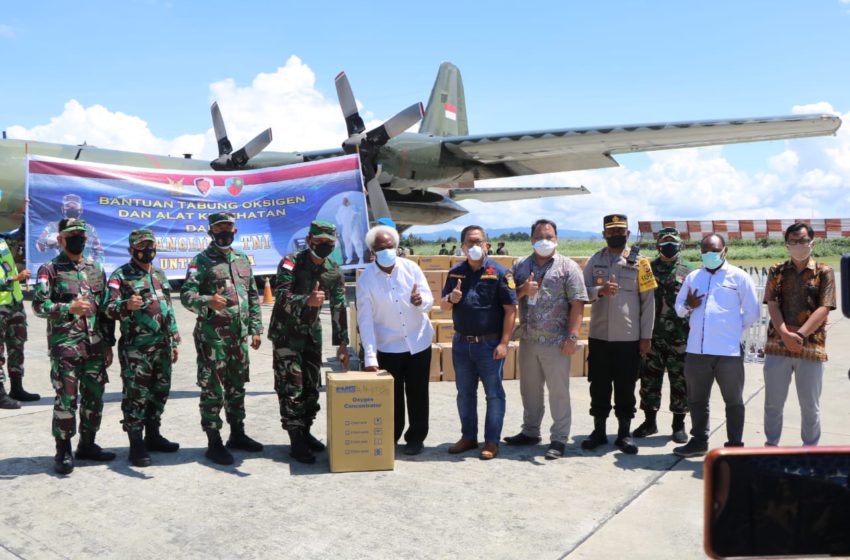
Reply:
x=777 y=501
x=845 y=284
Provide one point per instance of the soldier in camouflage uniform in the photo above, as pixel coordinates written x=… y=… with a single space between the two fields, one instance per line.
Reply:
x=72 y=208
x=303 y=278
x=140 y=298
x=669 y=340
x=220 y=289
x=71 y=295
x=13 y=329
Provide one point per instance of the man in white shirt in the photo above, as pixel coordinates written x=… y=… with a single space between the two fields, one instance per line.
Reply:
x=721 y=303
x=393 y=301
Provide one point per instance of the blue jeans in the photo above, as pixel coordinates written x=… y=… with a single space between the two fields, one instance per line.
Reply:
x=474 y=361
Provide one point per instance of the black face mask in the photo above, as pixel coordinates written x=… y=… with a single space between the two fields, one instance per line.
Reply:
x=616 y=241
x=669 y=250
x=73 y=212
x=322 y=250
x=145 y=255
x=75 y=244
x=223 y=239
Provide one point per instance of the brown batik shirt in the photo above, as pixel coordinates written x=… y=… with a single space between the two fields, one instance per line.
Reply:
x=799 y=294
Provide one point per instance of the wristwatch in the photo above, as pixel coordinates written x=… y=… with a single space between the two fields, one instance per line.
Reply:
x=572 y=337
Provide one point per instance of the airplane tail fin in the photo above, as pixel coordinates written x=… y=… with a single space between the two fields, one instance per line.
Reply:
x=446 y=112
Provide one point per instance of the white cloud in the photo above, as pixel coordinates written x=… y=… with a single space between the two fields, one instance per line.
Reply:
x=7 y=31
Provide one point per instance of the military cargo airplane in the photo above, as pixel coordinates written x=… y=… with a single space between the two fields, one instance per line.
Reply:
x=423 y=175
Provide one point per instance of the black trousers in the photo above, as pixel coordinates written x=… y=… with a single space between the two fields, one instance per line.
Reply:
x=410 y=373
x=613 y=365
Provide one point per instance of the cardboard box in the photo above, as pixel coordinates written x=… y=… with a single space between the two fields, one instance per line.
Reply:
x=580 y=261
x=446 y=358
x=438 y=314
x=584 y=330
x=587 y=309
x=353 y=330
x=505 y=260
x=456 y=261
x=435 y=282
x=444 y=329
x=360 y=421
x=509 y=371
x=436 y=367
x=578 y=361
x=435 y=262
x=414 y=258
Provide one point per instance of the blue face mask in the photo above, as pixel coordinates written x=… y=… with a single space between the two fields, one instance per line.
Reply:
x=386 y=257
x=712 y=260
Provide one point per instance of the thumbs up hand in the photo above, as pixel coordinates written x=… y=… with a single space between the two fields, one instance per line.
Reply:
x=80 y=307
x=610 y=288
x=317 y=297
x=217 y=301
x=456 y=295
x=415 y=296
x=530 y=287
x=135 y=301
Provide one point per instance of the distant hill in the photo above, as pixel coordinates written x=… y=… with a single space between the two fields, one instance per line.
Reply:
x=562 y=234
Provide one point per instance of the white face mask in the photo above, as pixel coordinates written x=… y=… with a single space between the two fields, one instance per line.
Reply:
x=476 y=253
x=544 y=247
x=800 y=252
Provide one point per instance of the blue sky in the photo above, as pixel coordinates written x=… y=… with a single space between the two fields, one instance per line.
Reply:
x=525 y=66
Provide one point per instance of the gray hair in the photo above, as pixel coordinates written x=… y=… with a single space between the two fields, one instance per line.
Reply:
x=373 y=233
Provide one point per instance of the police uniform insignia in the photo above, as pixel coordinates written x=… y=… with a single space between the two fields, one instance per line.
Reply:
x=460 y=276
x=510 y=278
x=646 y=279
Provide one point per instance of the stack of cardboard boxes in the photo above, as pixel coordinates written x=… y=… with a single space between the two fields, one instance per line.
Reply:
x=436 y=269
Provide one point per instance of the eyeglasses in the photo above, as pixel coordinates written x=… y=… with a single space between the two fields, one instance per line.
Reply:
x=798 y=242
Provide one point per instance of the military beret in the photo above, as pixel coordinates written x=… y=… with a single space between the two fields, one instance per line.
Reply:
x=615 y=220
x=74 y=224
x=669 y=232
x=323 y=230
x=140 y=236
x=221 y=217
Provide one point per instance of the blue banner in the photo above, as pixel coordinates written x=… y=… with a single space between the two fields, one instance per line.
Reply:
x=273 y=208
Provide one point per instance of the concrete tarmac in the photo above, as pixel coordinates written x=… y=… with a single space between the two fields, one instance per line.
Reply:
x=601 y=504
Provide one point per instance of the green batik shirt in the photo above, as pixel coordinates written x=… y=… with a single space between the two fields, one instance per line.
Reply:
x=154 y=323
x=229 y=271
x=670 y=276
x=61 y=281
x=292 y=319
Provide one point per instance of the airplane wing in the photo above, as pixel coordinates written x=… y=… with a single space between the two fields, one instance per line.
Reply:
x=499 y=194
x=549 y=151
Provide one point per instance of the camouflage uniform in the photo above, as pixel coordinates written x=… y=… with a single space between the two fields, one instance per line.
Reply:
x=13 y=317
x=148 y=335
x=220 y=336
x=669 y=338
x=296 y=331
x=77 y=345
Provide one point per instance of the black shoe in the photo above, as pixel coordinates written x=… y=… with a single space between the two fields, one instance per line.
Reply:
x=6 y=401
x=238 y=439
x=299 y=449
x=88 y=449
x=627 y=445
x=734 y=444
x=413 y=448
x=138 y=453
x=598 y=436
x=216 y=452
x=648 y=428
x=521 y=439
x=19 y=394
x=154 y=441
x=694 y=448
x=555 y=451
x=313 y=442
x=679 y=436
x=63 y=461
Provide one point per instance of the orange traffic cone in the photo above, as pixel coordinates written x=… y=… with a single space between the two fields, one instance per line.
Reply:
x=267 y=293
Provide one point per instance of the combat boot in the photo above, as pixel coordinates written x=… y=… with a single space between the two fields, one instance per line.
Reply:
x=88 y=449
x=18 y=393
x=138 y=453
x=648 y=427
x=299 y=449
x=624 y=441
x=679 y=434
x=313 y=441
x=63 y=461
x=238 y=439
x=216 y=452
x=6 y=401
x=154 y=441
x=597 y=437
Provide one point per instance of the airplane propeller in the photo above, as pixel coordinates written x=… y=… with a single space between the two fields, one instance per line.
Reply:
x=368 y=144
x=227 y=159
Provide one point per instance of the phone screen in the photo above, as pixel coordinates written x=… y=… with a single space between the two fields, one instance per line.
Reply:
x=773 y=503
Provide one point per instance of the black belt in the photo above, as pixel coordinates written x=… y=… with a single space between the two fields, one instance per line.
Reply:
x=479 y=338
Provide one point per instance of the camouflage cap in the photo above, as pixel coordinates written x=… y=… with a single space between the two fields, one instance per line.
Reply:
x=615 y=220
x=140 y=236
x=321 y=229
x=74 y=224
x=668 y=232
x=221 y=217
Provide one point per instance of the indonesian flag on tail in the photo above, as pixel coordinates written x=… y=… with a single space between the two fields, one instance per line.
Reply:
x=451 y=111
